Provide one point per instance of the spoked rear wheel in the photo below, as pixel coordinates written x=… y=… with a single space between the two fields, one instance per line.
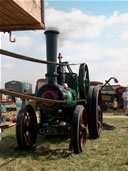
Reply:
x=95 y=112
x=25 y=127
x=79 y=133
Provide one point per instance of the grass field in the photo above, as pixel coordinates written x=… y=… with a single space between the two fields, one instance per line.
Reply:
x=107 y=153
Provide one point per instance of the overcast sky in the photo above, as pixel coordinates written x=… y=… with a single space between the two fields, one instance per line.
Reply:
x=94 y=32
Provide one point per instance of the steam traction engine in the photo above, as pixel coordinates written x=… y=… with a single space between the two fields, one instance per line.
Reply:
x=73 y=104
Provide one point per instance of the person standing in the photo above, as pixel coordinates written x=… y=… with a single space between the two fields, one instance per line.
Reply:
x=0 y=113
x=115 y=106
x=18 y=104
x=125 y=101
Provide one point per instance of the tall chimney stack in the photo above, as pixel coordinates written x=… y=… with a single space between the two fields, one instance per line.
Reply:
x=51 y=50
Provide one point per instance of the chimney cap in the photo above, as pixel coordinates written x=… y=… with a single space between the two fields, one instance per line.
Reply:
x=53 y=30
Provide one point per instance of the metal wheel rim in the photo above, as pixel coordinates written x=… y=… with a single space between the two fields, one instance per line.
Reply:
x=82 y=129
x=99 y=113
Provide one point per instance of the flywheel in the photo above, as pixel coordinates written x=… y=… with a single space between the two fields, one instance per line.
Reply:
x=83 y=80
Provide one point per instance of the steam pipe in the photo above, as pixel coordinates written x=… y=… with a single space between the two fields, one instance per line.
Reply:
x=51 y=50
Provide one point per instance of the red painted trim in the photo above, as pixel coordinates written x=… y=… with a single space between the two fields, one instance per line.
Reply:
x=53 y=95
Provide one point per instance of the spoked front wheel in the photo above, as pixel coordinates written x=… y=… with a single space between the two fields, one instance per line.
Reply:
x=78 y=132
x=25 y=127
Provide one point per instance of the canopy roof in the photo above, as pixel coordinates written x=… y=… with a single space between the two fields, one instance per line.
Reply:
x=18 y=15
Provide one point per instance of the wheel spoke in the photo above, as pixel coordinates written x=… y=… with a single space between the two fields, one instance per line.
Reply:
x=27 y=138
x=82 y=126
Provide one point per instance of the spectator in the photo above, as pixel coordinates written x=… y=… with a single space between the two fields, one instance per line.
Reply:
x=0 y=113
x=125 y=100
x=25 y=91
x=115 y=106
x=105 y=106
x=18 y=104
x=14 y=99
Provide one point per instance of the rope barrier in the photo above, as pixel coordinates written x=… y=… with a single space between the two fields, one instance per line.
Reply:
x=28 y=97
x=22 y=57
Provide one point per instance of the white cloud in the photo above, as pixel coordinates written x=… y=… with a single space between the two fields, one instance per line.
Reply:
x=22 y=42
x=82 y=39
x=75 y=23
x=80 y=25
x=7 y=66
x=117 y=23
x=109 y=35
x=124 y=36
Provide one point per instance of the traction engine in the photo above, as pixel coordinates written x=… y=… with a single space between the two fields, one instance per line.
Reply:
x=71 y=107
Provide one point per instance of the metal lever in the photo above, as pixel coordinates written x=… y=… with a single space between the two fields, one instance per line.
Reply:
x=107 y=82
x=10 y=38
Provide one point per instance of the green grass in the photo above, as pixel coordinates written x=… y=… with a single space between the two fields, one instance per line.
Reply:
x=107 y=153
